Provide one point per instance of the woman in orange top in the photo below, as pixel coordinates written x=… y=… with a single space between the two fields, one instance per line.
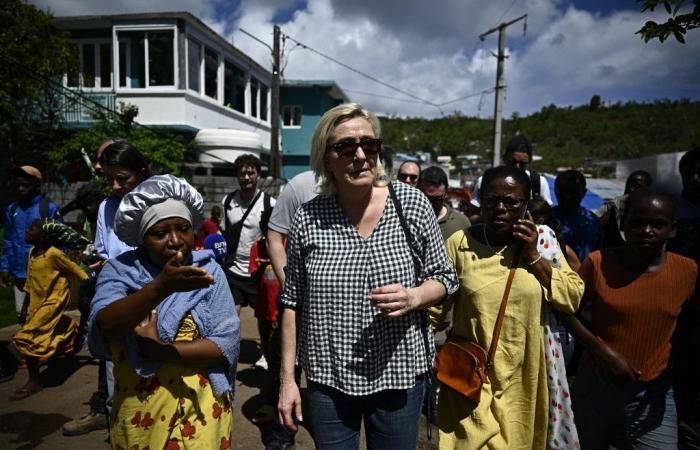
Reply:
x=623 y=390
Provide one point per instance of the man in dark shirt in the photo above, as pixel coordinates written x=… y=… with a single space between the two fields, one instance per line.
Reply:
x=433 y=183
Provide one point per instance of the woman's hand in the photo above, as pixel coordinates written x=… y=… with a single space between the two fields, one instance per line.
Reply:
x=525 y=230
x=289 y=406
x=394 y=300
x=615 y=365
x=177 y=278
x=149 y=340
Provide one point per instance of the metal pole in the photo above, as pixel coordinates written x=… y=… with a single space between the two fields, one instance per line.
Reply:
x=275 y=156
x=498 y=110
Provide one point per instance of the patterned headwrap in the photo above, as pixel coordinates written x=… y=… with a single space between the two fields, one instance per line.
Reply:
x=64 y=236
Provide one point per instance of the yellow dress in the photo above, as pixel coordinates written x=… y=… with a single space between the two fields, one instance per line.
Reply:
x=512 y=412
x=174 y=410
x=48 y=331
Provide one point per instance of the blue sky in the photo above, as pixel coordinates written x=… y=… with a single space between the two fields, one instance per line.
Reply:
x=572 y=49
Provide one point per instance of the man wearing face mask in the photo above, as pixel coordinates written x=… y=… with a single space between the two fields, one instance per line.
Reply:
x=30 y=205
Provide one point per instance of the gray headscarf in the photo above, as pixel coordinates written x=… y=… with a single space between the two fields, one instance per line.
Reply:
x=156 y=198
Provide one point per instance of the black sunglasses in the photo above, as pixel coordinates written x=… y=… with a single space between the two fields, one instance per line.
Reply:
x=346 y=149
x=407 y=176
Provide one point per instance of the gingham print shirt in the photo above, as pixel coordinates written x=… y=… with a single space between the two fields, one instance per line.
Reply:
x=345 y=342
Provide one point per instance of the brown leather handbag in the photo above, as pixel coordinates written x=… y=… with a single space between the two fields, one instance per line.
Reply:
x=463 y=365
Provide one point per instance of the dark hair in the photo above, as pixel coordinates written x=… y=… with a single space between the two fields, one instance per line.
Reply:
x=433 y=176
x=500 y=172
x=539 y=207
x=646 y=176
x=570 y=180
x=519 y=144
x=247 y=160
x=411 y=162
x=636 y=197
x=690 y=157
x=122 y=153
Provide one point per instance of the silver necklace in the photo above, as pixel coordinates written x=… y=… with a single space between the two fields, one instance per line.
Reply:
x=486 y=239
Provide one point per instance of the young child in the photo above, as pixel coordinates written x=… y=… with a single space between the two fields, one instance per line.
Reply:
x=47 y=331
x=623 y=387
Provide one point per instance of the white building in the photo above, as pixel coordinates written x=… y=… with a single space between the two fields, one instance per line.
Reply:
x=180 y=74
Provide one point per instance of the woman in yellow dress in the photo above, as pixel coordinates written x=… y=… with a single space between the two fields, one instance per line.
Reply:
x=164 y=315
x=512 y=412
x=48 y=331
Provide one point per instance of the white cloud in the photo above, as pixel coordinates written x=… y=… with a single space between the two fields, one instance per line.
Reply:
x=431 y=49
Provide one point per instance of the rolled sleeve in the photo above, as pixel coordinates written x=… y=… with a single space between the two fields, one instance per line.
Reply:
x=566 y=289
x=435 y=265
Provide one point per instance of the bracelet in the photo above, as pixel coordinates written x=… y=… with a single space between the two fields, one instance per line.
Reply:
x=532 y=263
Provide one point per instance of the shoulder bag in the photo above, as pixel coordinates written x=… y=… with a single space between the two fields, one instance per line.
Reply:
x=463 y=365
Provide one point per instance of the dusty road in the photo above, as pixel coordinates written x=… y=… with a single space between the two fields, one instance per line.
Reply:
x=35 y=422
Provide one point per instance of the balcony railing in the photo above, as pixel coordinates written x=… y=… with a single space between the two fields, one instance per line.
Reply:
x=87 y=107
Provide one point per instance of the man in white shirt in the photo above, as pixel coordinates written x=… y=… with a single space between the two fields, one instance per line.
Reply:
x=246 y=212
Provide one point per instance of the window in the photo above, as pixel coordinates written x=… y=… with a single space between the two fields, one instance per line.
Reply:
x=254 y=87
x=88 y=68
x=194 y=63
x=263 y=102
x=234 y=78
x=211 y=71
x=106 y=65
x=291 y=116
x=132 y=70
x=161 y=70
x=92 y=67
x=146 y=58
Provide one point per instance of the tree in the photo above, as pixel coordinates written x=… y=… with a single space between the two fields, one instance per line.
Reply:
x=157 y=146
x=33 y=57
x=677 y=24
x=594 y=104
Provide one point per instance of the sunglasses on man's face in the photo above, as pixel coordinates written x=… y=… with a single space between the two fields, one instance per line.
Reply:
x=348 y=148
x=407 y=176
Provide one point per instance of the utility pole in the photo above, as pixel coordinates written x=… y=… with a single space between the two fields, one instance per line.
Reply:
x=500 y=86
x=275 y=156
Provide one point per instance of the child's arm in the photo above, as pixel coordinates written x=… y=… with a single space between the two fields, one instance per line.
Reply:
x=68 y=267
x=197 y=353
x=608 y=359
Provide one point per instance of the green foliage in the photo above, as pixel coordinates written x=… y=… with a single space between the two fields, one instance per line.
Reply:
x=33 y=56
x=677 y=24
x=562 y=136
x=594 y=104
x=157 y=145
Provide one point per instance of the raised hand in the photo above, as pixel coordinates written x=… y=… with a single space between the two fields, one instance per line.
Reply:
x=178 y=278
x=525 y=230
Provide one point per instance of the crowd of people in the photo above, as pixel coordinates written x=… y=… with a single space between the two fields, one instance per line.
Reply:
x=555 y=326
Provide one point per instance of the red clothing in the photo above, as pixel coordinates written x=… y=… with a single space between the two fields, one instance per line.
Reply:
x=635 y=314
x=268 y=284
x=208 y=227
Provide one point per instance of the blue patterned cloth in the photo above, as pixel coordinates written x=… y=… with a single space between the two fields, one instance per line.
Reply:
x=212 y=308
x=580 y=229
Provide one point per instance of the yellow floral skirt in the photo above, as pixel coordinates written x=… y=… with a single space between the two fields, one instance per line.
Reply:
x=175 y=409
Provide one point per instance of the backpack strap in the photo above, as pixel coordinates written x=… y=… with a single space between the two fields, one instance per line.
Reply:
x=535 y=184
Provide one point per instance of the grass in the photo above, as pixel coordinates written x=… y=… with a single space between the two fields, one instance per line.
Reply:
x=7 y=307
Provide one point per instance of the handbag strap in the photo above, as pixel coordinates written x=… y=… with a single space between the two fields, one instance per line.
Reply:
x=504 y=302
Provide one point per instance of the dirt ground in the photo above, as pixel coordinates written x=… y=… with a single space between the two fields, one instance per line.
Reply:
x=35 y=422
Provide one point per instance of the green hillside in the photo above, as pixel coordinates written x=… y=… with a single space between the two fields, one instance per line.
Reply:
x=562 y=136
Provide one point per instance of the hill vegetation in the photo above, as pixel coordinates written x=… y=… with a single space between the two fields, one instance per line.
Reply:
x=563 y=136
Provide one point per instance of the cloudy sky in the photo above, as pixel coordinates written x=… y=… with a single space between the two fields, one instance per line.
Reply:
x=431 y=49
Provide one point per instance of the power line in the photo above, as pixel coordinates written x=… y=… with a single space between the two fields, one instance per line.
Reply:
x=474 y=94
x=384 y=96
x=359 y=72
x=505 y=12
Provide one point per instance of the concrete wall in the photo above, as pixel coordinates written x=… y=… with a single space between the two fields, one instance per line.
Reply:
x=663 y=169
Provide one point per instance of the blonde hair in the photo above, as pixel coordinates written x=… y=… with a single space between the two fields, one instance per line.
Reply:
x=326 y=125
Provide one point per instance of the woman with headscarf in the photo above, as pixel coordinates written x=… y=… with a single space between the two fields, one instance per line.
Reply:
x=365 y=259
x=164 y=314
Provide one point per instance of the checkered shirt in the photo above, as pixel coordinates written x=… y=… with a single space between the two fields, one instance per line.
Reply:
x=344 y=341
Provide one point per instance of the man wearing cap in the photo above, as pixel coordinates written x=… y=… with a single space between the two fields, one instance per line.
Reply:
x=518 y=154
x=30 y=206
